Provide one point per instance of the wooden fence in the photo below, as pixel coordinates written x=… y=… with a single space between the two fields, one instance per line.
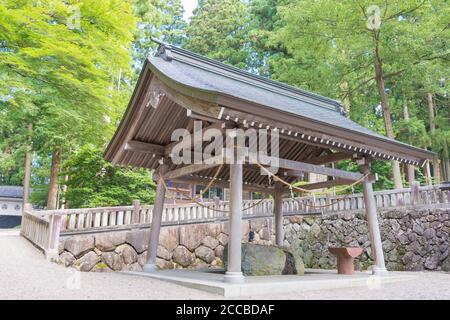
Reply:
x=426 y=197
x=43 y=227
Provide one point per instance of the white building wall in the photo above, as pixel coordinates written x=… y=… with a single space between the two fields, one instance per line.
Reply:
x=10 y=207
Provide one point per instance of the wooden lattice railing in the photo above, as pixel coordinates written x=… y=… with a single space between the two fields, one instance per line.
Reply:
x=43 y=227
x=426 y=196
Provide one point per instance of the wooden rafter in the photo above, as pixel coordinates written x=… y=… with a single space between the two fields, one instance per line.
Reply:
x=325 y=184
x=329 y=158
x=293 y=167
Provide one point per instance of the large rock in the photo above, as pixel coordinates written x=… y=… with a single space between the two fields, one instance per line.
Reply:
x=163 y=253
x=223 y=239
x=213 y=229
x=183 y=256
x=109 y=241
x=429 y=233
x=260 y=260
x=205 y=253
x=446 y=264
x=127 y=253
x=210 y=242
x=191 y=236
x=258 y=224
x=218 y=251
x=138 y=240
x=113 y=260
x=132 y=267
x=432 y=262
x=142 y=258
x=61 y=245
x=168 y=238
x=66 y=258
x=88 y=261
x=79 y=245
x=199 y=264
x=163 y=264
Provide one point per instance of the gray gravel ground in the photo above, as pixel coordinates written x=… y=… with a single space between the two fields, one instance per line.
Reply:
x=24 y=274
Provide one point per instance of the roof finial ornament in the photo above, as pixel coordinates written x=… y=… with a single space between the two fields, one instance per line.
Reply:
x=163 y=50
x=341 y=109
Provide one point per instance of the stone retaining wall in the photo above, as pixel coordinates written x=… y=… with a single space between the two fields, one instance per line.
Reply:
x=412 y=240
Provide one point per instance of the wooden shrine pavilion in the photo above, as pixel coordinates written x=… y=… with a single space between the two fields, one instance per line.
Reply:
x=177 y=87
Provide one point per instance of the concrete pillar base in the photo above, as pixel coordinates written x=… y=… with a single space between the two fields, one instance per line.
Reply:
x=52 y=255
x=379 y=271
x=233 y=277
x=149 y=267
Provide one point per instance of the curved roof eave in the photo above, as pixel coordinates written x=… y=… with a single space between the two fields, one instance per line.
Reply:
x=215 y=97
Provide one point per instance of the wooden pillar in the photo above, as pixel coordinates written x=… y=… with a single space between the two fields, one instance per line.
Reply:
x=27 y=175
x=234 y=273
x=136 y=210
x=278 y=212
x=415 y=193
x=150 y=265
x=372 y=220
x=427 y=172
x=52 y=252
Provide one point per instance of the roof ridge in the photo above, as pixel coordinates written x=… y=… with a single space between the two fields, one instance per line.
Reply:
x=165 y=51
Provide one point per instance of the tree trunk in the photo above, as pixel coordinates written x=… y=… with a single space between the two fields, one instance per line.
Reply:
x=446 y=164
x=436 y=166
x=54 y=181
x=410 y=170
x=428 y=174
x=64 y=203
x=446 y=156
x=431 y=114
x=346 y=102
x=27 y=175
x=396 y=173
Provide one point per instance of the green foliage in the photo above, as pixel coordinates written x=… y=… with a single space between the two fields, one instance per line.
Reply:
x=382 y=169
x=413 y=132
x=73 y=83
x=57 y=73
x=332 y=51
x=218 y=29
x=94 y=182
x=161 y=19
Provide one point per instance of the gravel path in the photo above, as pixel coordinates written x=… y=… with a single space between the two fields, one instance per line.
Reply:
x=24 y=274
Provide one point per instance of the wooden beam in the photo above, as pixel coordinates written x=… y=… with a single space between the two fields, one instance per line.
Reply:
x=200 y=106
x=329 y=158
x=145 y=147
x=192 y=168
x=296 y=166
x=198 y=116
x=325 y=184
x=223 y=184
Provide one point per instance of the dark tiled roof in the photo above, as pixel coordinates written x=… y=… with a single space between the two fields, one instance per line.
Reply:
x=204 y=74
x=11 y=192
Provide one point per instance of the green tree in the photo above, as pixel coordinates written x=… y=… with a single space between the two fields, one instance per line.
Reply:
x=361 y=46
x=95 y=182
x=218 y=29
x=265 y=21
x=62 y=65
x=161 y=19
